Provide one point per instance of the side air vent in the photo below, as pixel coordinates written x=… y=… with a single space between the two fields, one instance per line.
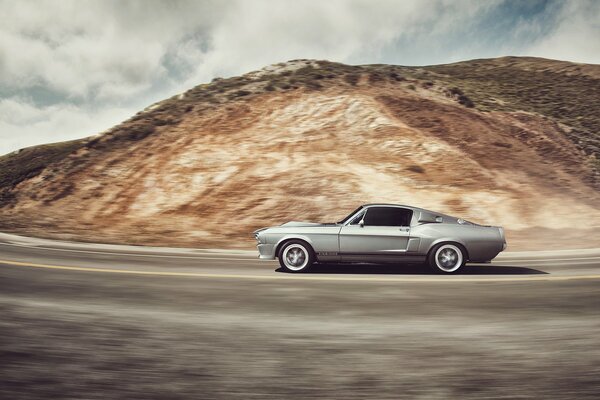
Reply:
x=427 y=217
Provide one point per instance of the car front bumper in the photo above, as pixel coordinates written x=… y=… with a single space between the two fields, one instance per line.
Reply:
x=266 y=251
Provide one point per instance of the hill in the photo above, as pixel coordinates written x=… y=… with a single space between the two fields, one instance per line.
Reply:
x=509 y=141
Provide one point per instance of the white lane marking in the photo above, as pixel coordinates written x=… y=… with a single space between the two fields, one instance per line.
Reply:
x=541 y=264
x=199 y=256
x=544 y=259
x=448 y=279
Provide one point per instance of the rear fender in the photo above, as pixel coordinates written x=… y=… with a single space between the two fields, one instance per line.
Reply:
x=450 y=240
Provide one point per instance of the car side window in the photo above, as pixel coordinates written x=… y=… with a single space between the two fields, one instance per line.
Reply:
x=388 y=216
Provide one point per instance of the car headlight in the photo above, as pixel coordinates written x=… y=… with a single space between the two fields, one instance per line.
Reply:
x=261 y=239
x=260 y=236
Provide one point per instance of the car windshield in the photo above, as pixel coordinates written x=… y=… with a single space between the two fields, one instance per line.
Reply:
x=350 y=215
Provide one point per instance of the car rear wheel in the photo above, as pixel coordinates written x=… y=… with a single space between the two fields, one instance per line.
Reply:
x=296 y=256
x=446 y=258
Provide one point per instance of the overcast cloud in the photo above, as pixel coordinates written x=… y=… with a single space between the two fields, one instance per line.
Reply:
x=70 y=69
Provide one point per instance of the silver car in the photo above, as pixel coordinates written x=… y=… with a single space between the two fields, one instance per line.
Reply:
x=382 y=233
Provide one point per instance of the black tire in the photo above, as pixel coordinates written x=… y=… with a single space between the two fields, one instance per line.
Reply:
x=447 y=258
x=303 y=255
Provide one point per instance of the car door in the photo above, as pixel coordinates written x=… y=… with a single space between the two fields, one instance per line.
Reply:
x=376 y=234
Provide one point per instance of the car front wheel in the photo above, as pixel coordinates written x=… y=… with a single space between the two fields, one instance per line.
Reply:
x=446 y=258
x=296 y=256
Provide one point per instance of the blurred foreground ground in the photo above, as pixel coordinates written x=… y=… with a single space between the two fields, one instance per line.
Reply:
x=92 y=335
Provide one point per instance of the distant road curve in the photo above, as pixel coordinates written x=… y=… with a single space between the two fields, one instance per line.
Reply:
x=24 y=252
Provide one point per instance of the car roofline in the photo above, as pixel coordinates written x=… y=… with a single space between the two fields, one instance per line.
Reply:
x=407 y=206
x=390 y=205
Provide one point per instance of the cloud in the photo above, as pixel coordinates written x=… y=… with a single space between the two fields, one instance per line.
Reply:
x=77 y=67
x=92 y=48
x=257 y=33
x=575 y=34
x=21 y=122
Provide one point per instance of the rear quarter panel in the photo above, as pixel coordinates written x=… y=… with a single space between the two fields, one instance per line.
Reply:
x=483 y=243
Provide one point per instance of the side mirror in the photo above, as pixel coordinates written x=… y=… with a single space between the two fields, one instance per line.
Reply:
x=362 y=223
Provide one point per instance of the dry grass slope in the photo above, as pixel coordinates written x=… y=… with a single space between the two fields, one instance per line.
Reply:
x=507 y=141
x=24 y=164
x=570 y=97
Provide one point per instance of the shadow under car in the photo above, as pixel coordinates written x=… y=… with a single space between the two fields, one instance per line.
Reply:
x=416 y=269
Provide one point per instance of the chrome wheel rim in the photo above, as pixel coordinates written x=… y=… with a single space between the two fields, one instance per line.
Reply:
x=448 y=258
x=295 y=257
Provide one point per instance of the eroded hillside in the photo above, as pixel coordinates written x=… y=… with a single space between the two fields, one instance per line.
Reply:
x=310 y=140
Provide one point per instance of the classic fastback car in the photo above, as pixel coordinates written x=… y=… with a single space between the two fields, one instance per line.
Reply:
x=382 y=233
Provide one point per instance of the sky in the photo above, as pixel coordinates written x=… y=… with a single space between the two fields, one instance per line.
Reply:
x=74 y=68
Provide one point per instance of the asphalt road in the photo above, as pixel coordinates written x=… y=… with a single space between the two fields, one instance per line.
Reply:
x=93 y=321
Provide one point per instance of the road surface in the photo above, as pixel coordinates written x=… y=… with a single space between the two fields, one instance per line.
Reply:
x=99 y=321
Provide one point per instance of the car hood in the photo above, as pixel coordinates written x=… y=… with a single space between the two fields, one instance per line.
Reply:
x=299 y=223
x=295 y=224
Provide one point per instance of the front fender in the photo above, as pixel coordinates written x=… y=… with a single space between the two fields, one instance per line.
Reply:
x=291 y=237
